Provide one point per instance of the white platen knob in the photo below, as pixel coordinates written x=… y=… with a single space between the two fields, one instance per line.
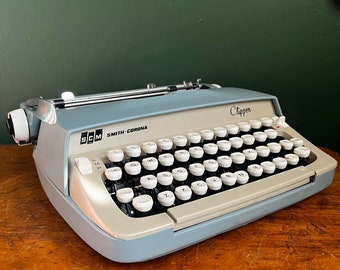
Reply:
x=18 y=126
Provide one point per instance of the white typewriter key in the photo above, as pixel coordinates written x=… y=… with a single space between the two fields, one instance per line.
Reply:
x=262 y=151
x=115 y=155
x=248 y=139
x=244 y=126
x=302 y=152
x=166 y=198
x=165 y=144
x=260 y=136
x=210 y=165
x=142 y=203
x=182 y=155
x=183 y=192
x=280 y=163
x=236 y=142
x=268 y=167
x=114 y=173
x=148 y=181
x=267 y=121
x=274 y=147
x=255 y=124
x=223 y=145
x=232 y=129
x=224 y=161
x=133 y=168
x=271 y=133
x=286 y=144
x=242 y=177
x=255 y=170
x=238 y=157
x=250 y=154
x=214 y=183
x=149 y=147
x=180 y=174
x=150 y=163
x=166 y=159
x=180 y=140
x=196 y=169
x=220 y=132
x=199 y=187
x=228 y=178
x=297 y=142
x=133 y=150
x=194 y=137
x=196 y=152
x=165 y=178
x=210 y=148
x=292 y=159
x=207 y=134
x=125 y=195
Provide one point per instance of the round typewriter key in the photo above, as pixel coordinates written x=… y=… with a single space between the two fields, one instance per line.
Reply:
x=210 y=165
x=286 y=144
x=238 y=157
x=115 y=155
x=150 y=163
x=248 y=139
x=302 y=152
x=292 y=159
x=242 y=177
x=207 y=134
x=125 y=195
x=224 y=161
x=268 y=167
x=196 y=152
x=296 y=142
x=210 y=148
x=232 y=129
x=260 y=136
x=236 y=142
x=255 y=124
x=166 y=159
x=180 y=174
x=165 y=144
x=271 y=133
x=280 y=163
x=244 y=126
x=149 y=147
x=142 y=203
x=220 y=132
x=228 y=178
x=199 y=187
x=214 y=183
x=183 y=193
x=274 y=147
x=266 y=121
x=223 y=145
x=133 y=150
x=196 y=169
x=182 y=155
x=180 y=140
x=250 y=154
x=166 y=198
x=148 y=181
x=255 y=170
x=165 y=178
x=262 y=151
x=133 y=168
x=194 y=137
x=113 y=173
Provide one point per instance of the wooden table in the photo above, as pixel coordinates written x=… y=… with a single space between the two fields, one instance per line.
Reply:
x=33 y=235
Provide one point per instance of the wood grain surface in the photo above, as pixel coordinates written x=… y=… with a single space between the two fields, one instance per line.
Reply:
x=34 y=236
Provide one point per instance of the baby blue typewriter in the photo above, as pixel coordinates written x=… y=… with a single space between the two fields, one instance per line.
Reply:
x=142 y=173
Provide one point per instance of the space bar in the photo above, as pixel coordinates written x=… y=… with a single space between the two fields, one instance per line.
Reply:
x=234 y=199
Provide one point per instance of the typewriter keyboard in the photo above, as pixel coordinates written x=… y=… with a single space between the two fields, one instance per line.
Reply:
x=154 y=176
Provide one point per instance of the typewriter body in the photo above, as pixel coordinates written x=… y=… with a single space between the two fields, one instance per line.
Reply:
x=139 y=174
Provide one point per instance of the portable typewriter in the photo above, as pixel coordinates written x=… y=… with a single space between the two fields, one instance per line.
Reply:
x=139 y=174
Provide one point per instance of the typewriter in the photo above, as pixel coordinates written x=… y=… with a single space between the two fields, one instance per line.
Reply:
x=142 y=173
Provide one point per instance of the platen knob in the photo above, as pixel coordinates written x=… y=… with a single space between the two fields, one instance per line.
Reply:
x=17 y=126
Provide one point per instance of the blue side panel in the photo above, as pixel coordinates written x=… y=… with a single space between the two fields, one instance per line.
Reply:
x=85 y=117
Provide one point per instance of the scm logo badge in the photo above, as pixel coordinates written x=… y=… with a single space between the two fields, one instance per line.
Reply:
x=88 y=137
